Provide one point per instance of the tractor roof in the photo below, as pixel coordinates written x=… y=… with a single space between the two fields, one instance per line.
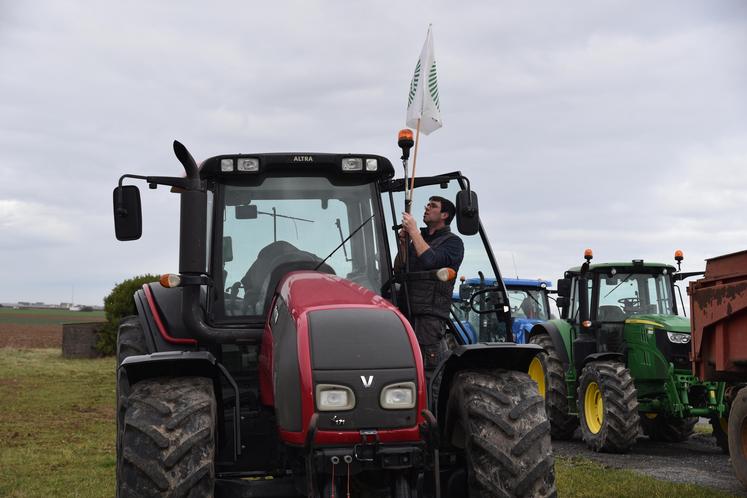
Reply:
x=512 y=282
x=355 y=168
x=634 y=265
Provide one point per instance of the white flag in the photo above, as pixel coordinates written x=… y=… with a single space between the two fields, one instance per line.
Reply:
x=422 y=101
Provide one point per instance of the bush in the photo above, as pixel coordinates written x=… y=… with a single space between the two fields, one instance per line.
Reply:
x=119 y=304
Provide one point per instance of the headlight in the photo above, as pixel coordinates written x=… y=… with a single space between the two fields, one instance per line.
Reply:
x=248 y=164
x=226 y=165
x=678 y=338
x=330 y=397
x=398 y=396
x=352 y=164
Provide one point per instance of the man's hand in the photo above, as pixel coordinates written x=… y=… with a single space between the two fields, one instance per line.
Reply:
x=409 y=225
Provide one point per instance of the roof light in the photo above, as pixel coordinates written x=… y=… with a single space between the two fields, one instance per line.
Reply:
x=352 y=164
x=247 y=164
x=170 y=280
x=404 y=134
x=372 y=164
x=678 y=256
x=588 y=254
x=226 y=165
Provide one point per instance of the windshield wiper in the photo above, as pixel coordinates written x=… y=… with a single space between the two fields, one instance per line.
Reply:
x=618 y=285
x=343 y=242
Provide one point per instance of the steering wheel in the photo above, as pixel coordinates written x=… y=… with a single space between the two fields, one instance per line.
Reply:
x=630 y=302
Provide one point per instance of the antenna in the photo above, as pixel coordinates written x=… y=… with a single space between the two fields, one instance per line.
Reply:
x=515 y=270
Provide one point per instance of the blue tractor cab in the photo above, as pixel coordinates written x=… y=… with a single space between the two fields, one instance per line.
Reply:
x=528 y=300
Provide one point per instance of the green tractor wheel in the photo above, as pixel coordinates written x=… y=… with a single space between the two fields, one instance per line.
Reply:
x=608 y=407
x=659 y=427
x=546 y=370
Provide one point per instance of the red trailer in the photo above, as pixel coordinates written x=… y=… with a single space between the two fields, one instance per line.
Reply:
x=718 y=305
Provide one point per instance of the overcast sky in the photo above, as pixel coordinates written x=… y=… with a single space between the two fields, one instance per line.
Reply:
x=615 y=125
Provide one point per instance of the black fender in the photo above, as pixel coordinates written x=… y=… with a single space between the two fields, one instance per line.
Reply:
x=160 y=312
x=186 y=364
x=492 y=356
x=607 y=355
x=551 y=329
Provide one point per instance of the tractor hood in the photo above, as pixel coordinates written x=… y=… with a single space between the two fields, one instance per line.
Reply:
x=671 y=323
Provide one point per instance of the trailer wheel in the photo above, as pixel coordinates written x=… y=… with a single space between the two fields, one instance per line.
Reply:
x=130 y=342
x=720 y=426
x=498 y=418
x=608 y=407
x=168 y=439
x=548 y=365
x=738 y=436
x=668 y=429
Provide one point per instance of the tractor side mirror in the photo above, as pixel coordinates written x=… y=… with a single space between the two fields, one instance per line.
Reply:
x=488 y=300
x=465 y=291
x=246 y=212
x=128 y=221
x=467 y=215
x=227 y=249
x=564 y=288
x=562 y=302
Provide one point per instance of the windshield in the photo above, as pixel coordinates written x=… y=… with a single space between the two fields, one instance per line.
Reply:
x=628 y=294
x=284 y=225
x=528 y=303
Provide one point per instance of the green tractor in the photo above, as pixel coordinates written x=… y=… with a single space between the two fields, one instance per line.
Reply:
x=617 y=361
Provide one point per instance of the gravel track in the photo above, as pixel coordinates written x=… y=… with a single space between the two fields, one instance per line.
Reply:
x=695 y=461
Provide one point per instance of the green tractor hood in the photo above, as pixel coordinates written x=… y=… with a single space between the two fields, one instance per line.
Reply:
x=671 y=323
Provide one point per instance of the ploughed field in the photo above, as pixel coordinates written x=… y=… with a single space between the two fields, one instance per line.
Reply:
x=39 y=328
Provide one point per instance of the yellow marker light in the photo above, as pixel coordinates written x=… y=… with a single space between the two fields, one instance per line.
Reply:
x=462 y=278
x=586 y=324
x=170 y=280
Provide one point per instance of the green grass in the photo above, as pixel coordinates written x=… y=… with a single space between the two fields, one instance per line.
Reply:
x=48 y=316
x=57 y=436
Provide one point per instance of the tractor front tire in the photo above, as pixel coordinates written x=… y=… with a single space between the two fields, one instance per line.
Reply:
x=498 y=419
x=548 y=366
x=130 y=342
x=668 y=429
x=608 y=407
x=168 y=439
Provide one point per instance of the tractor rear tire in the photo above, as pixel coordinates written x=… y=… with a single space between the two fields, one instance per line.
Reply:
x=668 y=429
x=130 y=342
x=608 y=407
x=562 y=424
x=720 y=426
x=168 y=439
x=738 y=435
x=498 y=418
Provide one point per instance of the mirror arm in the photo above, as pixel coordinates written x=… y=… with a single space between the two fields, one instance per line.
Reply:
x=469 y=210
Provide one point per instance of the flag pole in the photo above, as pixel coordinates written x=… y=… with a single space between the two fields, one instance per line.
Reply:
x=414 y=160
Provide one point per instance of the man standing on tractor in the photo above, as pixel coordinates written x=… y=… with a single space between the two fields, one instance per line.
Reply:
x=431 y=248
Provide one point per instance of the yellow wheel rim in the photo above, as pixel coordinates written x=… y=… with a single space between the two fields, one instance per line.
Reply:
x=651 y=415
x=593 y=408
x=537 y=373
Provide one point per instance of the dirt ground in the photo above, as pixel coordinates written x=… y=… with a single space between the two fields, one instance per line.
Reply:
x=26 y=336
x=695 y=461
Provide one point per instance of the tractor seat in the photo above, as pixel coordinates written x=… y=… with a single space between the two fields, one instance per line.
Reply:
x=611 y=313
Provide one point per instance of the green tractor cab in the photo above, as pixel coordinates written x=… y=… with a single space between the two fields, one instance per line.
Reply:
x=617 y=361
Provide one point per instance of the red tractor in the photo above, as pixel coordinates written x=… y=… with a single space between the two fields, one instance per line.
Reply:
x=278 y=362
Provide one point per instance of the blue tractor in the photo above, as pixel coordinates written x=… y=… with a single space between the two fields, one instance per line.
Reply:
x=529 y=304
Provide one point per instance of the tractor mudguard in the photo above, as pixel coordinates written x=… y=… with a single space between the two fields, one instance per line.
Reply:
x=560 y=334
x=159 y=310
x=503 y=355
x=608 y=355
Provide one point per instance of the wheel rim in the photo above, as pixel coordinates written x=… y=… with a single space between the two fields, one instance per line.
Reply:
x=537 y=374
x=593 y=408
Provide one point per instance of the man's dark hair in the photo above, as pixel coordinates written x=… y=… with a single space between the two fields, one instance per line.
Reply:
x=446 y=207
